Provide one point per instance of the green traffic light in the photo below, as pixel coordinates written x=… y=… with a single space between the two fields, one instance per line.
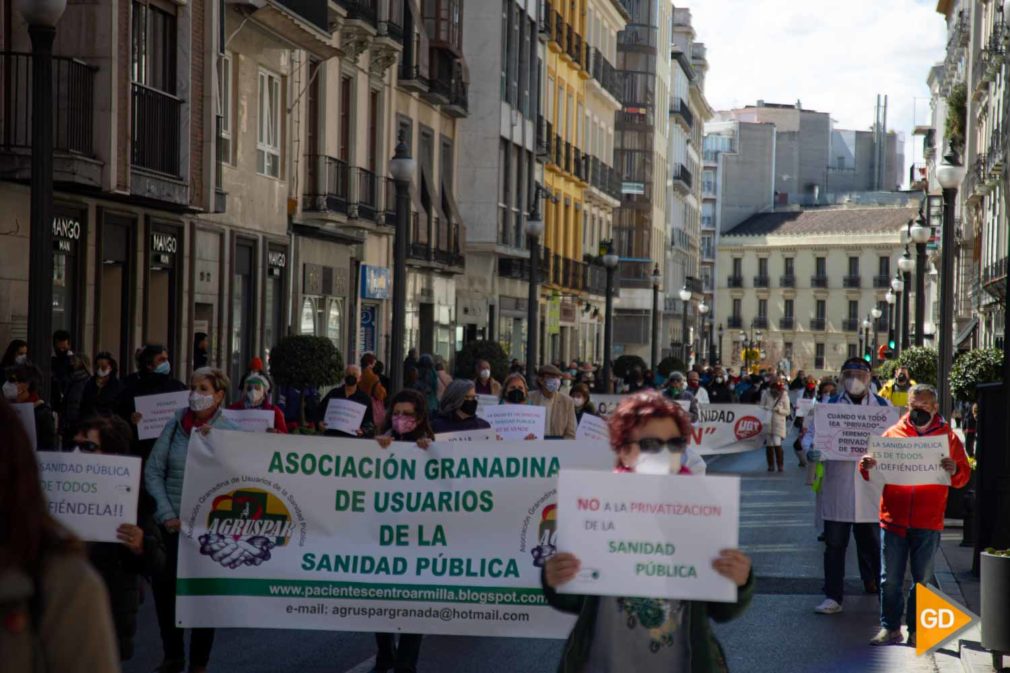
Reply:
x=867 y=357
x=891 y=344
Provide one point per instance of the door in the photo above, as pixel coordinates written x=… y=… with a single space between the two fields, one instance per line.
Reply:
x=243 y=307
x=115 y=296
x=161 y=306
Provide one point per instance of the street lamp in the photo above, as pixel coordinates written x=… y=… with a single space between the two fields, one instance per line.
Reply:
x=657 y=281
x=875 y=313
x=685 y=297
x=703 y=310
x=718 y=357
x=41 y=17
x=891 y=298
x=864 y=341
x=742 y=338
x=901 y=309
x=905 y=266
x=920 y=234
x=534 y=230
x=949 y=174
x=401 y=168
x=610 y=261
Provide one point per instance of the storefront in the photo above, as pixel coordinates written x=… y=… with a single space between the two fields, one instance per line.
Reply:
x=274 y=296
x=162 y=285
x=472 y=310
x=376 y=285
x=431 y=309
x=70 y=236
x=321 y=297
x=512 y=326
x=114 y=286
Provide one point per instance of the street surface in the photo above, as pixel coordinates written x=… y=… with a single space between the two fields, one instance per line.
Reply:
x=780 y=633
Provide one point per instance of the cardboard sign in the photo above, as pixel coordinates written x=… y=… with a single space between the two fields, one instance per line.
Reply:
x=26 y=414
x=157 y=410
x=250 y=420
x=804 y=405
x=841 y=431
x=910 y=461
x=594 y=428
x=483 y=435
x=91 y=493
x=605 y=404
x=344 y=415
x=516 y=421
x=647 y=535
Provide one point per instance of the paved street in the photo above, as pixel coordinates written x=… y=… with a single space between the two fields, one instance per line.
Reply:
x=780 y=633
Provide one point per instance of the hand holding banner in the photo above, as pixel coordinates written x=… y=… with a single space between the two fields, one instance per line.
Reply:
x=516 y=421
x=804 y=405
x=344 y=415
x=634 y=537
x=157 y=410
x=91 y=493
x=909 y=461
x=484 y=435
x=842 y=430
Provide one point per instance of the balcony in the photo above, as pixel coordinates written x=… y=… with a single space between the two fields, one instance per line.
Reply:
x=760 y=322
x=682 y=113
x=881 y=281
x=366 y=192
x=996 y=155
x=819 y=281
x=391 y=20
x=326 y=184
x=546 y=19
x=818 y=324
x=734 y=281
x=559 y=152
x=567 y=161
x=682 y=177
x=361 y=10
x=544 y=131
x=155 y=130
x=389 y=201
x=851 y=324
x=734 y=322
x=761 y=281
x=788 y=322
x=73 y=120
x=635 y=274
x=787 y=281
x=851 y=281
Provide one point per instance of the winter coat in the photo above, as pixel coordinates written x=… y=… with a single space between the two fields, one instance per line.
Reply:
x=139 y=384
x=452 y=423
x=120 y=569
x=167 y=464
x=560 y=421
x=492 y=387
x=780 y=412
x=720 y=393
x=359 y=396
x=100 y=400
x=921 y=507
x=45 y=427
x=73 y=397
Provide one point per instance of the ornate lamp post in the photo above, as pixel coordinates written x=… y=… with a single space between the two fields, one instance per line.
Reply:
x=949 y=174
x=534 y=230
x=685 y=297
x=718 y=357
x=401 y=168
x=875 y=313
x=891 y=299
x=610 y=261
x=703 y=310
x=657 y=282
x=920 y=233
x=905 y=266
x=900 y=310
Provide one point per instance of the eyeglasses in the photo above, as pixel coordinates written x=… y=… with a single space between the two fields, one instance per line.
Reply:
x=655 y=445
x=88 y=447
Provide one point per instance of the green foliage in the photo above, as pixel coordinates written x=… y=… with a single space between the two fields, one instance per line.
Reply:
x=624 y=364
x=886 y=369
x=983 y=365
x=304 y=361
x=957 y=106
x=921 y=362
x=1005 y=553
x=671 y=364
x=473 y=351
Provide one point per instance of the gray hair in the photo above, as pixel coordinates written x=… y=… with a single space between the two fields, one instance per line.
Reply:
x=218 y=379
x=923 y=389
x=455 y=393
x=676 y=376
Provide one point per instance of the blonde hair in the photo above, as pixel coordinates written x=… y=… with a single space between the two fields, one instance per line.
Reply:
x=217 y=378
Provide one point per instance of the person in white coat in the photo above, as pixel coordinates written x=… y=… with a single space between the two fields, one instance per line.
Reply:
x=776 y=400
x=848 y=503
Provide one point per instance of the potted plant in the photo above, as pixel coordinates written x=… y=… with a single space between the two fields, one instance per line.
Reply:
x=983 y=365
x=995 y=589
x=305 y=364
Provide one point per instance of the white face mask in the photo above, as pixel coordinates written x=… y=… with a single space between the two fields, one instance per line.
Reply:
x=661 y=462
x=255 y=395
x=21 y=359
x=102 y=373
x=718 y=379
x=485 y=374
x=579 y=401
x=552 y=385
x=10 y=390
x=200 y=402
x=854 y=386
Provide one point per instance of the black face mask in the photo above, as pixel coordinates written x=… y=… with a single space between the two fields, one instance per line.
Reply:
x=350 y=381
x=919 y=417
x=902 y=378
x=469 y=407
x=515 y=396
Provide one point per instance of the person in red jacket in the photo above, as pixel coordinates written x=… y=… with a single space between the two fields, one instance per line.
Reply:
x=912 y=516
x=256 y=395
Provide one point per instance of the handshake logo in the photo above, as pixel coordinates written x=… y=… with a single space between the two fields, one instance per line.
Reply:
x=244 y=526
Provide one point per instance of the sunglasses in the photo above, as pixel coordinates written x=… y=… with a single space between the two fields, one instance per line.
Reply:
x=88 y=447
x=654 y=445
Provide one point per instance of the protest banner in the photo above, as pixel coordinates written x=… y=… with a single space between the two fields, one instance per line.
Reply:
x=909 y=461
x=26 y=414
x=593 y=427
x=91 y=493
x=516 y=421
x=487 y=401
x=685 y=405
x=296 y=532
x=250 y=420
x=842 y=430
x=344 y=415
x=157 y=410
x=648 y=535
x=804 y=405
x=482 y=435
x=729 y=428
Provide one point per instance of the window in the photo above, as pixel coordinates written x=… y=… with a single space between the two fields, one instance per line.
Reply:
x=884 y=267
x=737 y=307
x=821 y=265
x=708 y=182
x=506 y=12
x=789 y=268
x=514 y=40
x=526 y=28
x=224 y=111
x=787 y=349
x=763 y=267
x=819 y=356
x=853 y=310
x=154 y=47
x=737 y=267
x=821 y=309
x=268 y=141
x=763 y=308
x=853 y=266
x=789 y=308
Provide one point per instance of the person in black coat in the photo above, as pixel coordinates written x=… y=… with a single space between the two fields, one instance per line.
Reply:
x=153 y=377
x=73 y=396
x=348 y=391
x=719 y=391
x=103 y=388
x=458 y=409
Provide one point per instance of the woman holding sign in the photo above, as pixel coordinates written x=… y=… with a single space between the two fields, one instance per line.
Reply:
x=458 y=409
x=612 y=635
x=163 y=477
x=256 y=395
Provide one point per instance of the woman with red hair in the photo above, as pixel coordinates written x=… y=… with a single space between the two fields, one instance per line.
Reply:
x=649 y=434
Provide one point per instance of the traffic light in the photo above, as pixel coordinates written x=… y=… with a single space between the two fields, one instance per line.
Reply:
x=867 y=356
x=892 y=344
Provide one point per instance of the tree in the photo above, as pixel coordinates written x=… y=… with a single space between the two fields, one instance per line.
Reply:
x=982 y=365
x=304 y=361
x=670 y=364
x=886 y=369
x=624 y=364
x=474 y=351
x=957 y=115
x=921 y=362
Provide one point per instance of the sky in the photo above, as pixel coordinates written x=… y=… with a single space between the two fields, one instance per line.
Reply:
x=833 y=56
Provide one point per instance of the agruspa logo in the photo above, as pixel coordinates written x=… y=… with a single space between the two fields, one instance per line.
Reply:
x=539 y=534
x=747 y=427
x=244 y=526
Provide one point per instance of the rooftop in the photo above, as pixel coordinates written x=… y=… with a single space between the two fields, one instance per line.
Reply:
x=838 y=220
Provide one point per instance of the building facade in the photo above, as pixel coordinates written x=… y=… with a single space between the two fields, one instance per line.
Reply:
x=801 y=284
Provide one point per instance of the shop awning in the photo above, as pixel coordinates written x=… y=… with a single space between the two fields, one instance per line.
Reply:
x=966 y=332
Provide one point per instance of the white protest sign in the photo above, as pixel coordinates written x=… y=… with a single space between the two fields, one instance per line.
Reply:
x=593 y=427
x=157 y=410
x=647 y=535
x=910 y=461
x=481 y=435
x=605 y=404
x=729 y=428
x=487 y=401
x=250 y=420
x=685 y=405
x=804 y=405
x=842 y=430
x=294 y=532
x=91 y=493
x=516 y=421
x=26 y=414
x=344 y=415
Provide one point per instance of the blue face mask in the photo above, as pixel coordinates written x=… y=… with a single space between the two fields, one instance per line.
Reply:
x=164 y=368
